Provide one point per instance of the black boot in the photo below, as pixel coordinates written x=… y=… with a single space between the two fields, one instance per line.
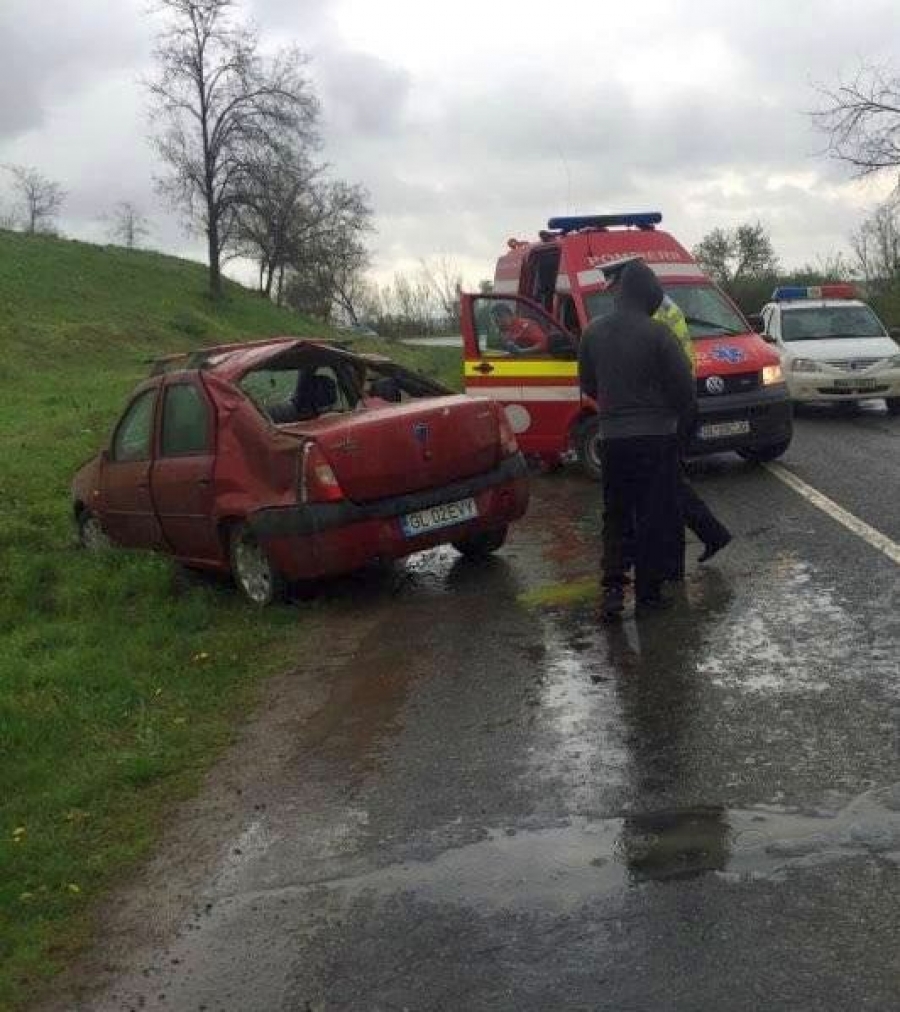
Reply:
x=712 y=547
x=613 y=603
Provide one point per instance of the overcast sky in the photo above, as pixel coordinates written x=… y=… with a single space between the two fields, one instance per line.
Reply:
x=476 y=120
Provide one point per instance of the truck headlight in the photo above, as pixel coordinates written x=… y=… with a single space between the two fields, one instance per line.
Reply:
x=772 y=374
x=805 y=365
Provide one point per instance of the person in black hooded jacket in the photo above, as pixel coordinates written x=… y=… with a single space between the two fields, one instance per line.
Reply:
x=641 y=382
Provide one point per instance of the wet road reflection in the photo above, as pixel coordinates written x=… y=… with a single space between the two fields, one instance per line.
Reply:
x=503 y=804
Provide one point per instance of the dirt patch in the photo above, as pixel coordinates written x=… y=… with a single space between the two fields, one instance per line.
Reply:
x=143 y=916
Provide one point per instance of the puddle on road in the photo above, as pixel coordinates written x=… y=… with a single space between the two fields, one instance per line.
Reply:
x=562 y=867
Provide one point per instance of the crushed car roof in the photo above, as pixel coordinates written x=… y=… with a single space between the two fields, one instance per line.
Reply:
x=232 y=361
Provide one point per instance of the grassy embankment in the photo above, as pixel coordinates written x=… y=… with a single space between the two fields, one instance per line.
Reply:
x=117 y=686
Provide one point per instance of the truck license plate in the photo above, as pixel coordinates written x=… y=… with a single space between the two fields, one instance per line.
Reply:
x=719 y=430
x=446 y=515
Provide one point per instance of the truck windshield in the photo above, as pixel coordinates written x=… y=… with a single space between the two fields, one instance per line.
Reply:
x=708 y=313
x=822 y=322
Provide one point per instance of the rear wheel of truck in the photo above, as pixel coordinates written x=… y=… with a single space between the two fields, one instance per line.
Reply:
x=760 y=454
x=480 y=546
x=587 y=447
x=252 y=569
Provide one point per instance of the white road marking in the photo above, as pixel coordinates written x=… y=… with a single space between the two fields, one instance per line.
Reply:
x=859 y=527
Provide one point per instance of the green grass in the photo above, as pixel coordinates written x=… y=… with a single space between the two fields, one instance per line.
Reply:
x=118 y=683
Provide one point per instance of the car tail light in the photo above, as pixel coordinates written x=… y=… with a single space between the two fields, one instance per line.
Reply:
x=508 y=442
x=318 y=482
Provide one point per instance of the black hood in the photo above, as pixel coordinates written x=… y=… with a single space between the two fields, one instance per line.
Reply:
x=639 y=289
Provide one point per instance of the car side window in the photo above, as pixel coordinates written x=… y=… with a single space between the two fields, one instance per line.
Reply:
x=185 y=422
x=767 y=317
x=134 y=432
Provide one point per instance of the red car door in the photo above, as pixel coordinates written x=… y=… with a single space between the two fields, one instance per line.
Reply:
x=125 y=504
x=182 y=476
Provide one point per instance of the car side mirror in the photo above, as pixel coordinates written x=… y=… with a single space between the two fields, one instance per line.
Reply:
x=756 y=322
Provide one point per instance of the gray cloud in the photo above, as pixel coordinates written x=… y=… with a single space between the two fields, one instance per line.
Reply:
x=471 y=140
x=49 y=51
x=361 y=94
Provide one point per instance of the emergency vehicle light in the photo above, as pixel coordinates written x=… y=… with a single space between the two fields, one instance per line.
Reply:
x=572 y=223
x=788 y=292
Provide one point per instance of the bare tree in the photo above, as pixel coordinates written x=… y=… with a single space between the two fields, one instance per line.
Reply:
x=128 y=225
x=218 y=104
x=311 y=229
x=876 y=247
x=446 y=282
x=41 y=199
x=861 y=119
x=277 y=189
x=738 y=254
x=329 y=256
x=7 y=219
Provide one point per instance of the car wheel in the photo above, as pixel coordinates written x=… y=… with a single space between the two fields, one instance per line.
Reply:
x=763 y=453
x=893 y=405
x=479 y=546
x=91 y=535
x=252 y=569
x=587 y=448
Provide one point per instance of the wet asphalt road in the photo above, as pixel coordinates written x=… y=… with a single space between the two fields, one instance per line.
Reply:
x=471 y=795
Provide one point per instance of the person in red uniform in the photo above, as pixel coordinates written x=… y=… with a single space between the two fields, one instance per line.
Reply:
x=518 y=334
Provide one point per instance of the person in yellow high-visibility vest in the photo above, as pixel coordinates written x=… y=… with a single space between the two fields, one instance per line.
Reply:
x=670 y=314
x=698 y=517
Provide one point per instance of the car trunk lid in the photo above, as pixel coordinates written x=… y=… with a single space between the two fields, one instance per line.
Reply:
x=378 y=452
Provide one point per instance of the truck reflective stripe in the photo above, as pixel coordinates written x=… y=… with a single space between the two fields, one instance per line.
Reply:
x=516 y=367
x=527 y=394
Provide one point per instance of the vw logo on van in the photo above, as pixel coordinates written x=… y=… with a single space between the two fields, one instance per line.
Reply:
x=715 y=385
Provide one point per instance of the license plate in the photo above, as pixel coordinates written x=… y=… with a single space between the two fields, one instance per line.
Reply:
x=447 y=514
x=719 y=430
x=855 y=384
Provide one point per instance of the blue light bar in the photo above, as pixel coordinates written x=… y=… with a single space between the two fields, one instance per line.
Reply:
x=572 y=223
x=790 y=292
x=841 y=290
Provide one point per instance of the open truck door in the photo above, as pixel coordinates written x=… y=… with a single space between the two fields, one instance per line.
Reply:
x=516 y=353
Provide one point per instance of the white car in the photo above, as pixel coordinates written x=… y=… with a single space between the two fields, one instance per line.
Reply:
x=832 y=345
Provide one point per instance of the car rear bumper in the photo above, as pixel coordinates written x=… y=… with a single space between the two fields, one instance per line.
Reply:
x=767 y=411
x=318 y=539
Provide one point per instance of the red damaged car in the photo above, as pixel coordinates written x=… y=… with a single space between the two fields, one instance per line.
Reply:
x=291 y=459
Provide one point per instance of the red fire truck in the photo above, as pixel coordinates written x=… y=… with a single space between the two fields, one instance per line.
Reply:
x=521 y=341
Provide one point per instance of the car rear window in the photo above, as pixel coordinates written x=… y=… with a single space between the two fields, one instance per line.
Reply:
x=299 y=393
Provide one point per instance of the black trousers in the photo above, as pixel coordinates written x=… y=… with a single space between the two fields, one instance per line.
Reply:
x=696 y=516
x=641 y=495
